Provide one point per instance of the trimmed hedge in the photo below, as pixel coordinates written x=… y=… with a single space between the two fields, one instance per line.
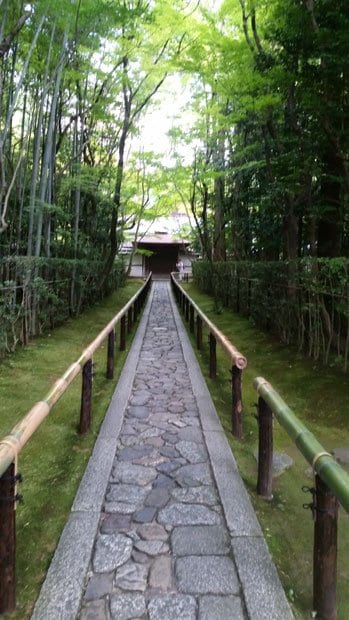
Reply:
x=303 y=302
x=36 y=294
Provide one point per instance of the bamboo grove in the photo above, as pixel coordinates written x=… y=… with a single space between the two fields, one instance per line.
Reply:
x=267 y=180
x=75 y=78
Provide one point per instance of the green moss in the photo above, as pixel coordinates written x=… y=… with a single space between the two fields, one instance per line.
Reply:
x=55 y=458
x=320 y=398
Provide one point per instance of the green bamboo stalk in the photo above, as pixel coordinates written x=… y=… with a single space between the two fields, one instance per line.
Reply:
x=322 y=462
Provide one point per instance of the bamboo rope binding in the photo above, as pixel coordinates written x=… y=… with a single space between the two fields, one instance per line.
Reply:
x=318 y=456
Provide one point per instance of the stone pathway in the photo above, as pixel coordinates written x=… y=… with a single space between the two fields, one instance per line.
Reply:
x=161 y=527
x=163 y=549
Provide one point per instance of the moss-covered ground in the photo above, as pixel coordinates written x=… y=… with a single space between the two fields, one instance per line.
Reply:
x=320 y=398
x=53 y=461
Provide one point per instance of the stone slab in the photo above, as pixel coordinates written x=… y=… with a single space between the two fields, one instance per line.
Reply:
x=172 y=607
x=200 y=540
x=61 y=592
x=188 y=514
x=207 y=575
x=264 y=596
x=126 y=606
x=220 y=608
x=111 y=551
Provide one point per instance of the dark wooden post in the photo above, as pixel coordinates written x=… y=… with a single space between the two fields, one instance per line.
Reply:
x=187 y=308
x=238 y=294
x=123 y=333
x=191 y=319
x=86 y=397
x=199 y=332
x=7 y=541
x=265 y=450
x=135 y=310
x=325 y=552
x=110 y=354
x=129 y=320
x=213 y=357
x=236 y=376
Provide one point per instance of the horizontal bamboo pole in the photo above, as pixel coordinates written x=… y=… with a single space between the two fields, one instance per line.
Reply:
x=235 y=356
x=322 y=462
x=12 y=444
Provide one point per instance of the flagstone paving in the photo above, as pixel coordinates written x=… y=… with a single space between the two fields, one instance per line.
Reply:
x=162 y=549
x=162 y=527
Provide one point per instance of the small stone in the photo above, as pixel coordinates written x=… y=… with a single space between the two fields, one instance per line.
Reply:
x=167 y=468
x=129 y=493
x=281 y=462
x=151 y=460
x=139 y=557
x=199 y=472
x=94 y=611
x=206 y=575
x=152 y=531
x=111 y=551
x=188 y=514
x=157 y=497
x=136 y=452
x=140 y=398
x=152 y=547
x=172 y=607
x=164 y=482
x=220 y=607
x=132 y=576
x=145 y=516
x=341 y=455
x=122 y=507
x=192 y=451
x=98 y=586
x=178 y=423
x=134 y=474
x=112 y=523
x=196 y=495
x=157 y=442
x=126 y=606
x=138 y=412
x=161 y=573
x=168 y=451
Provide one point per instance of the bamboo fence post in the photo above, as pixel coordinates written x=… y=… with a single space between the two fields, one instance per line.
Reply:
x=199 y=332
x=325 y=551
x=8 y=540
x=123 y=333
x=213 y=357
x=86 y=397
x=110 y=354
x=265 y=450
x=236 y=376
x=129 y=320
x=191 y=319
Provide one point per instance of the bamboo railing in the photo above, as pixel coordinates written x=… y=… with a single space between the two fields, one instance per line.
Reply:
x=238 y=361
x=331 y=480
x=13 y=443
x=331 y=486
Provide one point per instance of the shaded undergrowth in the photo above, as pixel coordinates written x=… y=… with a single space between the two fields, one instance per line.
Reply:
x=320 y=398
x=53 y=461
